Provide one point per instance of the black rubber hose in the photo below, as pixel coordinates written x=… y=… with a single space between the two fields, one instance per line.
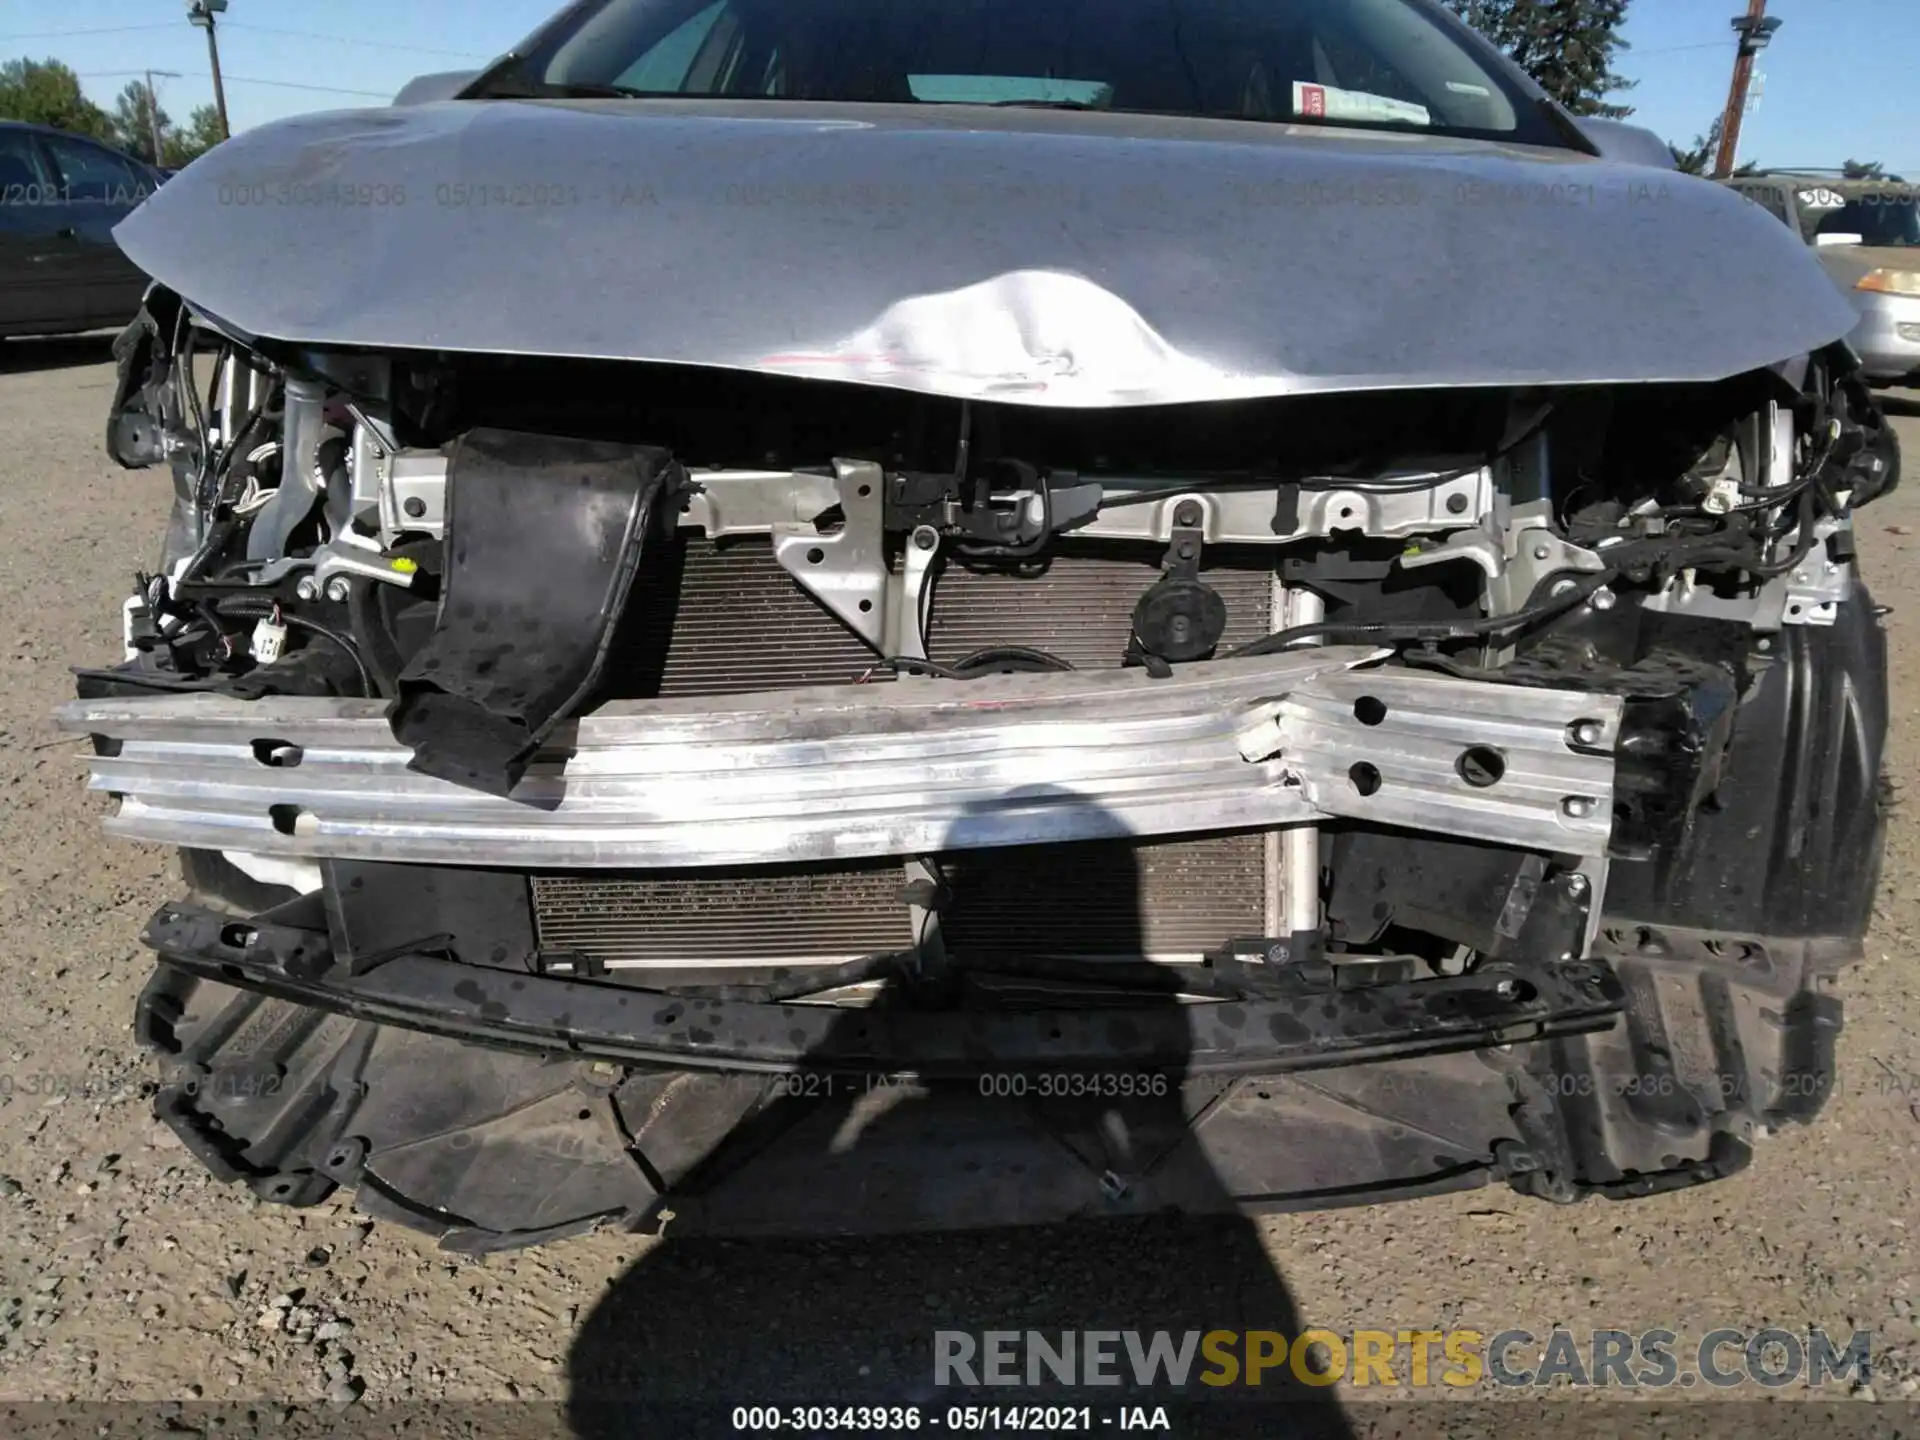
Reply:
x=376 y=642
x=1413 y=633
x=1021 y=659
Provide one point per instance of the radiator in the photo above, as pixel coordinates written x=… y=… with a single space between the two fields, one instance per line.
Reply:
x=755 y=916
x=1170 y=900
x=726 y=619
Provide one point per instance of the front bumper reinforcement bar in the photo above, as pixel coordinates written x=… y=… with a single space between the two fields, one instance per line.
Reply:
x=912 y=767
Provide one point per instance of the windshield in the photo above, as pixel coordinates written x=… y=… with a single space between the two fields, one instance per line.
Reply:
x=1391 y=64
x=1892 y=219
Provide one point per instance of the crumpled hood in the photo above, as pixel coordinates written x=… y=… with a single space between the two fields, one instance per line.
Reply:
x=1046 y=258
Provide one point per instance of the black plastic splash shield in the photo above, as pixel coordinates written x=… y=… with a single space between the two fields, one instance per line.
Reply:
x=1496 y=1004
x=544 y=538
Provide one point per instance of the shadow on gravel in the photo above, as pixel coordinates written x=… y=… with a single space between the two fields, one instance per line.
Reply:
x=22 y=354
x=1899 y=402
x=702 y=1325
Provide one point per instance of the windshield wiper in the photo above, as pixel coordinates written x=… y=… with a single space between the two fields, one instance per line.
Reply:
x=514 y=88
x=1029 y=104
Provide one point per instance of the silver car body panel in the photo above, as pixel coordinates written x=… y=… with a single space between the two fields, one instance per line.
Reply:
x=905 y=768
x=1036 y=257
x=1887 y=337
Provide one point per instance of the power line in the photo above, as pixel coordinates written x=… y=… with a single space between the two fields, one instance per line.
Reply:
x=350 y=40
x=301 y=85
x=63 y=34
x=260 y=29
x=1637 y=54
x=248 y=80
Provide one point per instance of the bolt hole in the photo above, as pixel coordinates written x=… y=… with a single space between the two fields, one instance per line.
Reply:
x=278 y=754
x=864 y=491
x=238 y=937
x=285 y=818
x=1481 y=766
x=1369 y=710
x=1346 y=512
x=586 y=1115
x=866 y=606
x=1364 y=777
x=816 y=555
x=1586 y=733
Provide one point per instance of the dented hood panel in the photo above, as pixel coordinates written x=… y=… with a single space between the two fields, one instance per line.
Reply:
x=1038 y=257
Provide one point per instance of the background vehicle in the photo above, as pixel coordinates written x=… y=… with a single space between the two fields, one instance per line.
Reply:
x=1868 y=236
x=60 y=197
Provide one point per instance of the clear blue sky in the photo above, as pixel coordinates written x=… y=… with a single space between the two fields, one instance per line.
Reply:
x=1840 y=77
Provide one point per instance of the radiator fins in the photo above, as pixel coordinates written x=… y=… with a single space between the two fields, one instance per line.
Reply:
x=749 y=916
x=723 y=619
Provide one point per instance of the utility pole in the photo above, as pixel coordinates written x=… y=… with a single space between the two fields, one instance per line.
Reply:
x=1755 y=29
x=153 y=110
x=201 y=13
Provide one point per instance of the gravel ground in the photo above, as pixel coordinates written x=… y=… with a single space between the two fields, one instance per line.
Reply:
x=126 y=1274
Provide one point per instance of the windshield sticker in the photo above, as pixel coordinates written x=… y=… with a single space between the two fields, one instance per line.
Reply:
x=1326 y=102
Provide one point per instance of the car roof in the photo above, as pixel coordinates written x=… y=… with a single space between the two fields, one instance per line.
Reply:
x=36 y=128
x=1875 y=185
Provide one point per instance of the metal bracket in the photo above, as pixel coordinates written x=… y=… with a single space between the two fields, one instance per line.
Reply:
x=907 y=596
x=847 y=570
x=1533 y=556
x=1182 y=561
x=1818 y=584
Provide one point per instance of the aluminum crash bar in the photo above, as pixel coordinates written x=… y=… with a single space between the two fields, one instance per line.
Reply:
x=906 y=768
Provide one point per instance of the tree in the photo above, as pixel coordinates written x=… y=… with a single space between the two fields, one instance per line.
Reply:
x=190 y=141
x=47 y=92
x=1698 y=158
x=1567 y=46
x=136 y=115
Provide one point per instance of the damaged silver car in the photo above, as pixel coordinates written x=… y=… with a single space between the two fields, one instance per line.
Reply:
x=821 y=615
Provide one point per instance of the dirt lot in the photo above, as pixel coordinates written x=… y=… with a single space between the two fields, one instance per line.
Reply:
x=126 y=1274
